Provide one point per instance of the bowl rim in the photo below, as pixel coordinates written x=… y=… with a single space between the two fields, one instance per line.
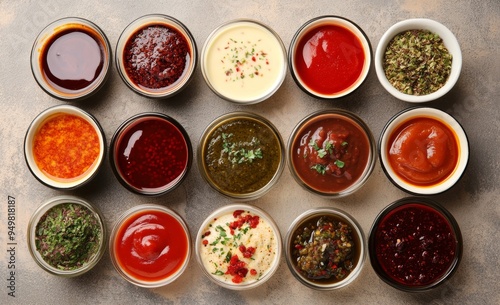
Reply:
x=462 y=142
x=313 y=212
x=354 y=119
x=231 y=208
x=155 y=19
x=450 y=41
x=345 y=23
x=232 y=116
x=418 y=200
x=131 y=212
x=34 y=126
x=220 y=29
x=132 y=121
x=52 y=29
x=45 y=207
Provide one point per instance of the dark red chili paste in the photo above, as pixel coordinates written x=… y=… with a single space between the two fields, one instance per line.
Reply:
x=156 y=56
x=329 y=59
x=423 y=151
x=330 y=153
x=73 y=58
x=415 y=245
x=151 y=154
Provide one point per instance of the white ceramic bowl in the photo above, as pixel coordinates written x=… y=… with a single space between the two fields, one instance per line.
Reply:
x=217 y=239
x=38 y=122
x=424 y=112
x=449 y=40
x=244 y=61
x=341 y=22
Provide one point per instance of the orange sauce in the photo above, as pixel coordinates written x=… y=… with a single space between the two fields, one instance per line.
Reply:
x=423 y=151
x=66 y=146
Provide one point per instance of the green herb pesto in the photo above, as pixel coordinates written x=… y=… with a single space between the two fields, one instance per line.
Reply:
x=417 y=62
x=241 y=155
x=68 y=236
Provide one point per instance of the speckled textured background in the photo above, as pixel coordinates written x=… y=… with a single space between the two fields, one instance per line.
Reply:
x=473 y=101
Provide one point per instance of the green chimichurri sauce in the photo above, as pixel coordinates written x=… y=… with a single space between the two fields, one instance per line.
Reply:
x=68 y=236
x=241 y=155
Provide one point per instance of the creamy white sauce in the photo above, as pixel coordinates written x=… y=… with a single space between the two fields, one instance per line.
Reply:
x=220 y=241
x=244 y=62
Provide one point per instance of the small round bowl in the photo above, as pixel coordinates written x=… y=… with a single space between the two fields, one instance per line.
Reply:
x=329 y=57
x=44 y=234
x=238 y=247
x=423 y=151
x=63 y=45
x=241 y=155
x=77 y=160
x=415 y=244
x=331 y=153
x=156 y=69
x=449 y=41
x=150 y=154
x=243 y=61
x=150 y=245
x=349 y=241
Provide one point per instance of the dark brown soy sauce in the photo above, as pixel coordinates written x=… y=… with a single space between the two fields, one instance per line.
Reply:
x=72 y=59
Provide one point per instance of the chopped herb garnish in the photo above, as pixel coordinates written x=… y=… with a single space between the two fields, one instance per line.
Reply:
x=340 y=164
x=320 y=168
x=238 y=154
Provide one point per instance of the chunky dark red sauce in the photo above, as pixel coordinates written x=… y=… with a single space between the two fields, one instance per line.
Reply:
x=152 y=154
x=415 y=245
x=423 y=151
x=151 y=245
x=330 y=153
x=329 y=59
x=73 y=58
x=156 y=56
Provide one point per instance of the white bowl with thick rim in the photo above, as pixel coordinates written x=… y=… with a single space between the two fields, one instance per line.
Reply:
x=38 y=122
x=209 y=223
x=424 y=112
x=450 y=42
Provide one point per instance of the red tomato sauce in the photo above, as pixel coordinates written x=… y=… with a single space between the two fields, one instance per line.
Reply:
x=329 y=59
x=152 y=154
x=73 y=58
x=415 y=244
x=330 y=153
x=156 y=56
x=151 y=245
x=423 y=151
x=66 y=146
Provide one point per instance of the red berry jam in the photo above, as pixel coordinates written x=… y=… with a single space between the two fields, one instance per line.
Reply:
x=414 y=244
x=151 y=154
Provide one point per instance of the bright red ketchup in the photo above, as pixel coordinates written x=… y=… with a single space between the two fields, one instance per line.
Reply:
x=423 y=151
x=329 y=59
x=151 y=245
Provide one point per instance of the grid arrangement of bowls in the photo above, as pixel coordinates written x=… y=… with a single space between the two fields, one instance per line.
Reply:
x=154 y=19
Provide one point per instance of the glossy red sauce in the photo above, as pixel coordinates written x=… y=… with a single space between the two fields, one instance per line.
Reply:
x=151 y=154
x=423 y=151
x=156 y=56
x=329 y=59
x=415 y=245
x=151 y=245
x=73 y=58
x=330 y=153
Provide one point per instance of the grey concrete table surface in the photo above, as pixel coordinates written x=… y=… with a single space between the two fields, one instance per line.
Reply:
x=473 y=101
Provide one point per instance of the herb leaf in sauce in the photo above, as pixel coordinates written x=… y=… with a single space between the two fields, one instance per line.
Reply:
x=238 y=153
x=68 y=236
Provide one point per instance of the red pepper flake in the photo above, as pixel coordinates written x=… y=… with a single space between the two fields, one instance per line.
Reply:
x=237 y=269
x=237 y=213
x=253 y=272
x=247 y=252
x=66 y=146
x=205 y=242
